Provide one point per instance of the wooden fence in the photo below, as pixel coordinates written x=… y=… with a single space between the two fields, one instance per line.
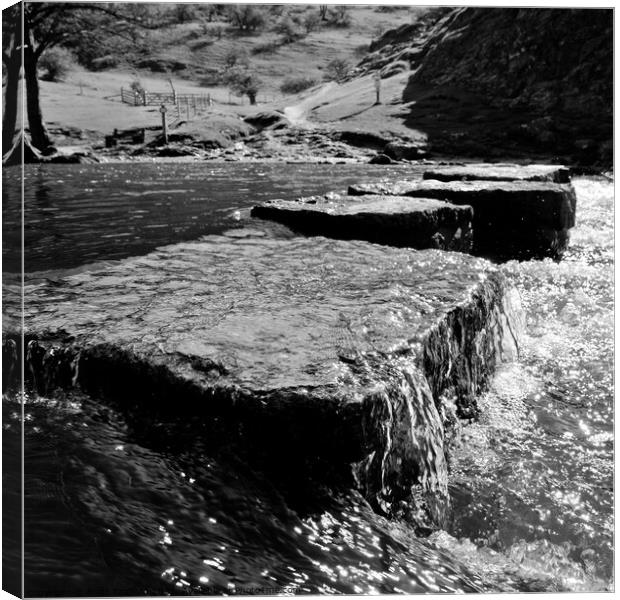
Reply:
x=144 y=98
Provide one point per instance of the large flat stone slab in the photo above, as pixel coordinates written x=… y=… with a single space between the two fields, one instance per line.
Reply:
x=342 y=355
x=500 y=172
x=511 y=218
x=390 y=220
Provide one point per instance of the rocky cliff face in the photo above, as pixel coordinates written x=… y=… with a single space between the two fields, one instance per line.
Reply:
x=547 y=59
x=537 y=80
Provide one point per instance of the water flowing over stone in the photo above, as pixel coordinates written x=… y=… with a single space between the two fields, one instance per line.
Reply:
x=392 y=220
x=522 y=219
x=317 y=354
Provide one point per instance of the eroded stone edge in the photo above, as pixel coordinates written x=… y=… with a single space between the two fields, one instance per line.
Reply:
x=427 y=387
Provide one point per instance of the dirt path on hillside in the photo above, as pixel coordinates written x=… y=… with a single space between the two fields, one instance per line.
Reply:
x=297 y=114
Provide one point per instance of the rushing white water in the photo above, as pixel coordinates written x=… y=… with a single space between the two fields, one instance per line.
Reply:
x=533 y=479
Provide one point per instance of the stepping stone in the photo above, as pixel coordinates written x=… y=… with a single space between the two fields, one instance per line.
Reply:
x=512 y=219
x=500 y=172
x=342 y=358
x=389 y=220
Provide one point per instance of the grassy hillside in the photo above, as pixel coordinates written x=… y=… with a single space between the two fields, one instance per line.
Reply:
x=193 y=54
x=196 y=50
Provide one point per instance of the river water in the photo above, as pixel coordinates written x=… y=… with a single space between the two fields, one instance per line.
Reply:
x=112 y=510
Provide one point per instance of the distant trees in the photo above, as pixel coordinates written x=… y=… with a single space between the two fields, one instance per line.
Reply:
x=247 y=17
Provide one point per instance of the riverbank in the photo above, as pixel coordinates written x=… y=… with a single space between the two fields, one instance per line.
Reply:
x=292 y=146
x=330 y=123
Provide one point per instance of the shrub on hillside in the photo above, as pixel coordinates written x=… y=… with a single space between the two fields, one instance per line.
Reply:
x=208 y=12
x=157 y=64
x=199 y=44
x=339 y=16
x=109 y=61
x=216 y=31
x=236 y=57
x=184 y=13
x=336 y=70
x=55 y=63
x=266 y=48
x=289 y=30
x=294 y=85
x=312 y=22
x=247 y=17
x=211 y=77
x=387 y=9
x=194 y=34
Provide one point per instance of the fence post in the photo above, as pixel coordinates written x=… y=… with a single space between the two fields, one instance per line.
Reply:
x=187 y=107
x=194 y=104
x=164 y=127
x=144 y=97
x=377 y=81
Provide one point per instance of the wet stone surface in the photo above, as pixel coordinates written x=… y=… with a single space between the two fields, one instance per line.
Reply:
x=390 y=220
x=500 y=172
x=512 y=219
x=344 y=351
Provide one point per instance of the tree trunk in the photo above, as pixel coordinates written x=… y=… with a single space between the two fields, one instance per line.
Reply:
x=14 y=155
x=252 y=97
x=9 y=118
x=12 y=59
x=38 y=132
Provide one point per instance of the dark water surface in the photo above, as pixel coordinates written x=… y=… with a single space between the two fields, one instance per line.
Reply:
x=131 y=208
x=112 y=509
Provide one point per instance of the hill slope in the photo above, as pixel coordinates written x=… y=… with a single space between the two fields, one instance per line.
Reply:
x=495 y=83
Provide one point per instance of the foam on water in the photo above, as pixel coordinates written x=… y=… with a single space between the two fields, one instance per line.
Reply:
x=533 y=479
